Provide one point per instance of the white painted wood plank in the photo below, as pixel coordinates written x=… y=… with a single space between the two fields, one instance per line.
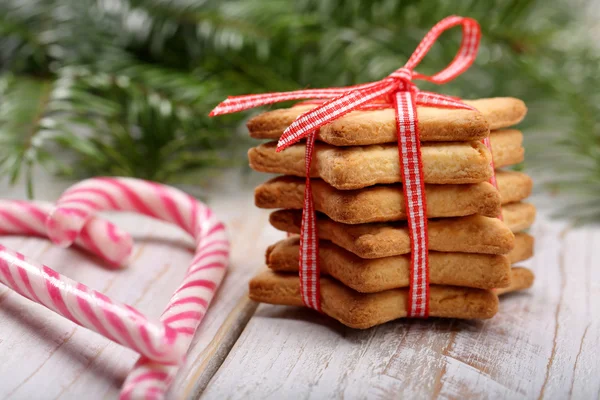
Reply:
x=574 y=370
x=542 y=344
x=68 y=361
x=250 y=235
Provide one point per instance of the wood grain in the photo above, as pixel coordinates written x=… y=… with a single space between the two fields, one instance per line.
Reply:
x=542 y=344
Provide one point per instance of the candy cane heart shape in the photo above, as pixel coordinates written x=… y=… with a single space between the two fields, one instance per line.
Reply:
x=167 y=341
x=98 y=236
x=87 y=307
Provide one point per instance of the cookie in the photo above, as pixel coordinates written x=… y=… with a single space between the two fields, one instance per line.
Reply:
x=519 y=216
x=471 y=234
x=360 y=310
x=484 y=271
x=521 y=279
x=523 y=249
x=386 y=202
x=360 y=128
x=513 y=186
x=357 y=167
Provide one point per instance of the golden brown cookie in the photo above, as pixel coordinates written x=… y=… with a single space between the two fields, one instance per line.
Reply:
x=513 y=186
x=484 y=271
x=521 y=279
x=386 y=202
x=519 y=216
x=357 y=167
x=471 y=234
x=360 y=310
x=523 y=250
x=376 y=127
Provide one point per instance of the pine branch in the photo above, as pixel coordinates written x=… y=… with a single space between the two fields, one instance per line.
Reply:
x=23 y=126
x=133 y=130
x=564 y=152
x=22 y=28
x=107 y=86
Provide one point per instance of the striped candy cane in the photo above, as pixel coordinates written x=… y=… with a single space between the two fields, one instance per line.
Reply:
x=98 y=236
x=88 y=308
x=150 y=377
x=164 y=342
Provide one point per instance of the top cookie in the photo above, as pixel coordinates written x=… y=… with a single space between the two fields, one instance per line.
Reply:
x=379 y=126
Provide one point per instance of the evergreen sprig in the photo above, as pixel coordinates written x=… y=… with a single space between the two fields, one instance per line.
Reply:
x=123 y=87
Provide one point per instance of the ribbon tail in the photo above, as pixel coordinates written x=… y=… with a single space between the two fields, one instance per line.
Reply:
x=441 y=101
x=332 y=110
x=463 y=59
x=413 y=186
x=240 y=103
x=309 y=270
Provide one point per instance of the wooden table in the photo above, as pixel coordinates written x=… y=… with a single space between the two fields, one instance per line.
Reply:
x=542 y=344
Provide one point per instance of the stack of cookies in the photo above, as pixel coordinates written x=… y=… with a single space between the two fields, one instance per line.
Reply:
x=363 y=236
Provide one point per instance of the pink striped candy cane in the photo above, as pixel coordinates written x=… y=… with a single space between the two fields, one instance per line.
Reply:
x=98 y=236
x=150 y=377
x=88 y=308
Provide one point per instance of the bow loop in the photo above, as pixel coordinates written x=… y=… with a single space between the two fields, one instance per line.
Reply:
x=471 y=35
x=354 y=97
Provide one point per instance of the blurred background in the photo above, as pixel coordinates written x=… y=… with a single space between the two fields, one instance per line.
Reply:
x=123 y=87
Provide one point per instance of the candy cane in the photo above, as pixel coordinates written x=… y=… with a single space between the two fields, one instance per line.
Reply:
x=88 y=308
x=98 y=236
x=187 y=306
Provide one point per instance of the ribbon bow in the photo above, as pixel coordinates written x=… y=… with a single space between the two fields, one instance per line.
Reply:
x=395 y=91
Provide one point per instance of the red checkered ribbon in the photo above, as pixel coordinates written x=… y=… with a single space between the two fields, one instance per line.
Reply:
x=397 y=91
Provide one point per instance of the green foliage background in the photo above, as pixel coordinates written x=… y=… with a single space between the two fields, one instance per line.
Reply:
x=123 y=87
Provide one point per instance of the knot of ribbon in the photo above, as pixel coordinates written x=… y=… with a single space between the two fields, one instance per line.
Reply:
x=403 y=74
x=396 y=91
